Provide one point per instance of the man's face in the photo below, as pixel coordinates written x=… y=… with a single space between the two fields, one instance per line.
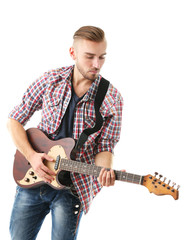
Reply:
x=89 y=57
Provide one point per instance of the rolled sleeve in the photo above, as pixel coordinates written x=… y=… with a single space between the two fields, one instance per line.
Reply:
x=31 y=101
x=110 y=132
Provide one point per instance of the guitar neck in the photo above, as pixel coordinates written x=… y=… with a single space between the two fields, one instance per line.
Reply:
x=93 y=170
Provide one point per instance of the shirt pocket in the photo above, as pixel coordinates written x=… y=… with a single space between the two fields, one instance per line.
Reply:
x=52 y=101
x=51 y=109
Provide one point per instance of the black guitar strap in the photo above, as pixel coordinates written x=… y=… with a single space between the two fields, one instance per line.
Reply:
x=100 y=95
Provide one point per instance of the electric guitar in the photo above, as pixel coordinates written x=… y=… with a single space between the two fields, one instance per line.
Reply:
x=60 y=151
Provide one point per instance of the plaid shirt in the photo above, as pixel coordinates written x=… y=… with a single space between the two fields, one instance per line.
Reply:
x=51 y=93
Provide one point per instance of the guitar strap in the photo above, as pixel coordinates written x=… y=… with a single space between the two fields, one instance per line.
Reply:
x=100 y=95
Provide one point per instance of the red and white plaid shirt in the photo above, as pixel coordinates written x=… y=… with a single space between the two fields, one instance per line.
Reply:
x=51 y=93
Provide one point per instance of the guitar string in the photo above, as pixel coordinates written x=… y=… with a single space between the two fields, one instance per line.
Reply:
x=83 y=168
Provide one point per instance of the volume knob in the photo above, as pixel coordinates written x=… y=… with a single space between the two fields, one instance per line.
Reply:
x=27 y=180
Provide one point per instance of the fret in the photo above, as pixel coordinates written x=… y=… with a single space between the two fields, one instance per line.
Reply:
x=128 y=177
x=84 y=168
x=79 y=167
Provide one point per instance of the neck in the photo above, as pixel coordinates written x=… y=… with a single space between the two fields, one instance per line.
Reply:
x=80 y=84
x=84 y=168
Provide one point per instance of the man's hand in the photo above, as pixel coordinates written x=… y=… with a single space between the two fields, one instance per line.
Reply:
x=20 y=139
x=106 y=178
x=36 y=161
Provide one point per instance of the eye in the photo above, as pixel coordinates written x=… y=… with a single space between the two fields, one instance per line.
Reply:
x=89 y=57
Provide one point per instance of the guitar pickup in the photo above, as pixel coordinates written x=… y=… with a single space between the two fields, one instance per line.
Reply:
x=57 y=162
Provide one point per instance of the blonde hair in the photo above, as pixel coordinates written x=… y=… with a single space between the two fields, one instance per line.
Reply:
x=91 y=33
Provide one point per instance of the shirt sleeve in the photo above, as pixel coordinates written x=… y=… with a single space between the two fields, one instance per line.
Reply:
x=31 y=101
x=110 y=133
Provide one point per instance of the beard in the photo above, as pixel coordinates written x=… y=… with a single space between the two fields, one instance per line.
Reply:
x=90 y=74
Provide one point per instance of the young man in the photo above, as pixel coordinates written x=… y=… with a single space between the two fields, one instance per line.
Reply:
x=66 y=97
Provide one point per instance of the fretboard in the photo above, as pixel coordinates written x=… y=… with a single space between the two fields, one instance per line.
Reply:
x=93 y=170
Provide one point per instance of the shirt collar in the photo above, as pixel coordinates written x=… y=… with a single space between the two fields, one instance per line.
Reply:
x=91 y=93
x=67 y=73
x=61 y=73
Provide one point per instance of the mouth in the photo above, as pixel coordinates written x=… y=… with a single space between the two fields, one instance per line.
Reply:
x=94 y=71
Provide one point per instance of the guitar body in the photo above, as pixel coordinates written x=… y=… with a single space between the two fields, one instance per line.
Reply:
x=23 y=173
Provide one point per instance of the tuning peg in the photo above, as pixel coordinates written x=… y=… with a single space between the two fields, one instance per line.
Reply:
x=169 y=182
x=160 y=176
x=155 y=174
x=164 y=179
x=178 y=186
x=173 y=184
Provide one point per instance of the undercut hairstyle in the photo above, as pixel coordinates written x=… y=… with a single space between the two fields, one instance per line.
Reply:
x=91 y=33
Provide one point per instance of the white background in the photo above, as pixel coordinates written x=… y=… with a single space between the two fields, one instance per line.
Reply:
x=148 y=59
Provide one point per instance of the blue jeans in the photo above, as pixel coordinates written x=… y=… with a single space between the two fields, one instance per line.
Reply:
x=32 y=205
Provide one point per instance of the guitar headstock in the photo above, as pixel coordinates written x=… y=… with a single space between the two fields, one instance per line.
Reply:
x=157 y=186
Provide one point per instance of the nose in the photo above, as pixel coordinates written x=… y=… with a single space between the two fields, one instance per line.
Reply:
x=96 y=63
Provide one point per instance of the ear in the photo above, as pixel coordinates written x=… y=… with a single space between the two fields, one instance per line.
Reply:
x=72 y=53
